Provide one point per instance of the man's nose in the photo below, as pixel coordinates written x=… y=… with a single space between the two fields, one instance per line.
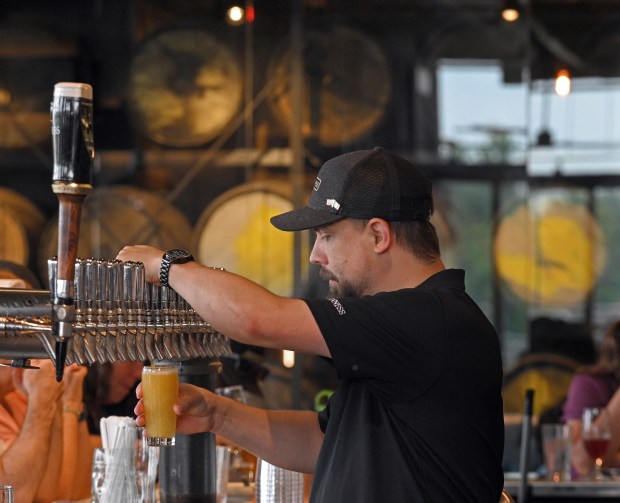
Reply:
x=315 y=254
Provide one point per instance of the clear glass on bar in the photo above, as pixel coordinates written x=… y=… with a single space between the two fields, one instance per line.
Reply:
x=160 y=386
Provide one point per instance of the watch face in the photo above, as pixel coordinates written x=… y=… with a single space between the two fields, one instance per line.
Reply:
x=177 y=255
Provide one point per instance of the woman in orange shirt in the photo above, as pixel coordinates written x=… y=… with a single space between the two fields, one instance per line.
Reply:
x=45 y=452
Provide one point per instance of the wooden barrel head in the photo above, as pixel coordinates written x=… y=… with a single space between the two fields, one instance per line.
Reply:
x=234 y=232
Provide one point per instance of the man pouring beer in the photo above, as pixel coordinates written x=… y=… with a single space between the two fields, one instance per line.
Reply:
x=418 y=413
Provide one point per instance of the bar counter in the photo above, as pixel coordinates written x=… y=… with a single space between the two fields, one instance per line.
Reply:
x=567 y=492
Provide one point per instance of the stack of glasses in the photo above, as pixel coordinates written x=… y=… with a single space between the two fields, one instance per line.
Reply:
x=277 y=485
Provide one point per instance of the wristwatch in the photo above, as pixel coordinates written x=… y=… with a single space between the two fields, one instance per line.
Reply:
x=170 y=257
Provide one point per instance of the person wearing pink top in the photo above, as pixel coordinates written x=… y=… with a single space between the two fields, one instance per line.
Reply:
x=596 y=386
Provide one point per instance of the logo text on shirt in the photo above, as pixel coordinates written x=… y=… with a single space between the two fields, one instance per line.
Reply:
x=338 y=306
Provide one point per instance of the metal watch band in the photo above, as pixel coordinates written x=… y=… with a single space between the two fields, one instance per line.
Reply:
x=164 y=270
x=170 y=257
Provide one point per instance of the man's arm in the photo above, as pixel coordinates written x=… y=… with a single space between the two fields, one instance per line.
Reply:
x=290 y=439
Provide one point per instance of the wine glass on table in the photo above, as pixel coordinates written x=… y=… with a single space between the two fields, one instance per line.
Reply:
x=596 y=435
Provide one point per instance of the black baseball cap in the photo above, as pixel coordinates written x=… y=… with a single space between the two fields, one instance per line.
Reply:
x=363 y=184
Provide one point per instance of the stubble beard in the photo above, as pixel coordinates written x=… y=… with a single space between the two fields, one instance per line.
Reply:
x=340 y=288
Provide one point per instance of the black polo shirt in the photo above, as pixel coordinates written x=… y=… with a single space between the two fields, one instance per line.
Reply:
x=418 y=415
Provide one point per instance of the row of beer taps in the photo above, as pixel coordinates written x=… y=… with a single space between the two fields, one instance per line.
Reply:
x=120 y=317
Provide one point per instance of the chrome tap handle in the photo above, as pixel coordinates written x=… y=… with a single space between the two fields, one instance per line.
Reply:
x=129 y=286
x=102 y=288
x=52 y=275
x=80 y=284
x=90 y=280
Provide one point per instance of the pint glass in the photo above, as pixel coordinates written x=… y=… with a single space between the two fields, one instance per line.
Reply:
x=160 y=386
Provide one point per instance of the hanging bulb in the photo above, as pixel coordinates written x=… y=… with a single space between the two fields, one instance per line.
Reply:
x=288 y=359
x=562 y=83
x=235 y=15
x=511 y=11
x=510 y=15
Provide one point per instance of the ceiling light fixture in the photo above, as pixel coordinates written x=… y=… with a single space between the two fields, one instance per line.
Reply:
x=288 y=359
x=235 y=15
x=511 y=10
x=562 y=83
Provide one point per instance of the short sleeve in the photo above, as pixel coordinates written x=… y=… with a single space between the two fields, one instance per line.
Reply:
x=373 y=338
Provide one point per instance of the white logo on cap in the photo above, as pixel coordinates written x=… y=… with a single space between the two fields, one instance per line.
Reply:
x=317 y=184
x=333 y=203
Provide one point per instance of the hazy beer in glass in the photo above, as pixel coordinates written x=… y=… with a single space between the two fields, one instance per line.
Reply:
x=160 y=387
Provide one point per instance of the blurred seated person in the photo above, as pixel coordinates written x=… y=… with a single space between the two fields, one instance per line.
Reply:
x=560 y=337
x=556 y=348
x=45 y=451
x=110 y=390
x=596 y=386
x=13 y=275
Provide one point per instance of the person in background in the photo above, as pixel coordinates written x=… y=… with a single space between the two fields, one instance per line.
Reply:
x=417 y=415
x=13 y=275
x=45 y=452
x=596 y=386
x=109 y=390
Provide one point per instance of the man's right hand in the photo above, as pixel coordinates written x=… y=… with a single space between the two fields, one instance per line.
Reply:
x=193 y=408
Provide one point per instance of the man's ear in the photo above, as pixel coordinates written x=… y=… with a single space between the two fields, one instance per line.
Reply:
x=380 y=232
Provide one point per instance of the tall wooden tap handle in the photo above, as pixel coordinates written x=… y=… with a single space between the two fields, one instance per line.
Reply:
x=72 y=138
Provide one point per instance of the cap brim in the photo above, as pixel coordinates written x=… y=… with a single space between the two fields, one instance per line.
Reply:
x=304 y=218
